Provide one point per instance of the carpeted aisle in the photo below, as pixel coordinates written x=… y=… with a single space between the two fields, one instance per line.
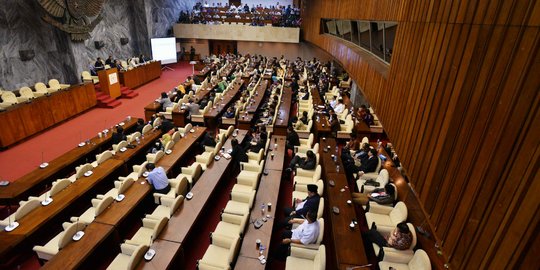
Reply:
x=26 y=156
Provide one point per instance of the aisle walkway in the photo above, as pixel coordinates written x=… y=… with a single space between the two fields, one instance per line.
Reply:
x=26 y=156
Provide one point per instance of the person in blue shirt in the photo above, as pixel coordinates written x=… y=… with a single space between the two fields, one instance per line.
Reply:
x=158 y=179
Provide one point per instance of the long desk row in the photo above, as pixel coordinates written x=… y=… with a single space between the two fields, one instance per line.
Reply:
x=141 y=74
x=268 y=192
x=282 y=121
x=245 y=120
x=39 y=217
x=110 y=220
x=14 y=192
x=24 y=120
x=347 y=242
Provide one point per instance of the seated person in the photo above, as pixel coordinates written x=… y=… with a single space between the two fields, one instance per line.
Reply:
x=340 y=107
x=307 y=163
x=303 y=121
x=400 y=238
x=109 y=61
x=230 y=112
x=305 y=234
x=309 y=204
x=165 y=101
x=158 y=178
x=370 y=165
x=334 y=122
x=156 y=147
x=209 y=139
x=99 y=65
x=167 y=137
x=292 y=138
x=379 y=195
x=118 y=135
x=238 y=153
x=140 y=125
x=166 y=124
x=260 y=144
x=203 y=103
x=193 y=107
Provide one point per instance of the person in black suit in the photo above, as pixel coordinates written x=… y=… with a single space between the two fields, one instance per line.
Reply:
x=166 y=124
x=238 y=153
x=334 y=122
x=99 y=65
x=209 y=139
x=307 y=163
x=292 y=138
x=110 y=61
x=302 y=207
x=261 y=143
x=140 y=125
x=370 y=165
x=118 y=136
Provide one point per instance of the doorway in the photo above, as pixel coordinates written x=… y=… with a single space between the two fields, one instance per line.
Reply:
x=218 y=47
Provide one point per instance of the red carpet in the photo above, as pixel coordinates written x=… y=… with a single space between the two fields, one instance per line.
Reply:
x=26 y=156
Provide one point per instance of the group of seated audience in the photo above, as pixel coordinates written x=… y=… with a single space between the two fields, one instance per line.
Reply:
x=121 y=65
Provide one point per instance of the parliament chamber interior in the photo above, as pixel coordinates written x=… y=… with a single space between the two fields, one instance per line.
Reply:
x=258 y=134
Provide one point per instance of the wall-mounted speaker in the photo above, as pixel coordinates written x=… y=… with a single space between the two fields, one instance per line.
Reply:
x=124 y=40
x=27 y=55
x=99 y=44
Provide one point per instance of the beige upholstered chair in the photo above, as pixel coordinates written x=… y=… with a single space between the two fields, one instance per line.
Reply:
x=87 y=77
x=138 y=171
x=408 y=253
x=185 y=129
x=9 y=99
x=382 y=179
x=120 y=187
x=147 y=129
x=240 y=203
x=221 y=252
x=55 y=85
x=154 y=158
x=345 y=84
x=248 y=178
x=133 y=137
x=26 y=92
x=167 y=207
x=303 y=258
x=191 y=173
x=25 y=207
x=98 y=206
x=168 y=111
x=307 y=142
x=418 y=261
x=301 y=192
x=386 y=218
x=149 y=231
x=255 y=158
x=199 y=118
x=317 y=243
x=129 y=258
x=227 y=132
x=120 y=145
x=231 y=224
x=61 y=240
x=302 y=150
x=100 y=158
x=42 y=89
x=178 y=187
x=231 y=121
x=305 y=177
x=176 y=136
x=345 y=129
x=305 y=130
x=156 y=122
x=57 y=186
x=205 y=159
x=80 y=171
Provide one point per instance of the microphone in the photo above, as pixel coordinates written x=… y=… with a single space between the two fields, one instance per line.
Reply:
x=149 y=255
x=79 y=234
x=11 y=225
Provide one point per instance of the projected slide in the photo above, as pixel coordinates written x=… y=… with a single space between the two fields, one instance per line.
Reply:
x=164 y=49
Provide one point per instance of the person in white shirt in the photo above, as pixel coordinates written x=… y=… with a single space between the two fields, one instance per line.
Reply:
x=340 y=107
x=305 y=234
x=333 y=102
x=158 y=178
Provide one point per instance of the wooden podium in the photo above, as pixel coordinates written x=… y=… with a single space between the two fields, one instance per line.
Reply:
x=109 y=82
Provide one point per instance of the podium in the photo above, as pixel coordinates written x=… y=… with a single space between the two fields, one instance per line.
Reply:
x=108 y=80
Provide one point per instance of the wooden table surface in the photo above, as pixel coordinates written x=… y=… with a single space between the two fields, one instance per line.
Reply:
x=166 y=252
x=75 y=253
x=280 y=125
x=13 y=192
x=229 y=97
x=279 y=155
x=181 y=148
x=186 y=216
x=258 y=97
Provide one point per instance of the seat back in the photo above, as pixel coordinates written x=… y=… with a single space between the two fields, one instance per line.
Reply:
x=59 y=185
x=146 y=129
x=317 y=174
x=420 y=260
x=321 y=231
x=40 y=87
x=413 y=234
x=103 y=205
x=159 y=227
x=119 y=146
x=319 y=262
x=177 y=202
x=104 y=156
x=379 y=163
x=182 y=186
x=320 y=187
x=125 y=185
x=68 y=234
x=86 y=75
x=133 y=137
x=399 y=213
x=26 y=208
x=81 y=170
x=136 y=256
x=169 y=145
x=10 y=97
x=382 y=178
x=197 y=173
x=176 y=136
x=320 y=210
x=156 y=122
x=54 y=83
x=26 y=92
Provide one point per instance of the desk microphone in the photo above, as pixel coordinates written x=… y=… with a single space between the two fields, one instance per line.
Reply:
x=151 y=252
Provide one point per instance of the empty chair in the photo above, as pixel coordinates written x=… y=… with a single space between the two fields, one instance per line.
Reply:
x=178 y=187
x=98 y=206
x=345 y=129
x=149 y=231
x=167 y=207
x=248 y=178
x=25 y=207
x=42 y=89
x=221 y=252
x=240 y=203
x=366 y=184
x=418 y=261
x=255 y=158
x=156 y=122
x=100 y=158
x=87 y=77
x=55 y=85
x=185 y=129
x=146 y=129
x=26 y=92
x=305 y=177
x=120 y=145
x=129 y=257
x=133 y=137
x=227 y=131
x=57 y=186
x=231 y=224
x=386 y=218
x=58 y=242
x=9 y=99
x=168 y=111
x=138 y=171
x=80 y=171
x=191 y=173
x=303 y=258
x=120 y=187
x=154 y=158
x=204 y=159
x=307 y=142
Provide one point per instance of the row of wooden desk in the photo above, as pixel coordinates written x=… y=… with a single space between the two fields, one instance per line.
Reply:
x=24 y=120
x=14 y=192
x=282 y=121
x=39 y=217
x=141 y=74
x=245 y=120
x=76 y=253
x=345 y=242
x=268 y=192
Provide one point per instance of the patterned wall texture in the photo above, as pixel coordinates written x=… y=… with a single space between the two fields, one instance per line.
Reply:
x=56 y=56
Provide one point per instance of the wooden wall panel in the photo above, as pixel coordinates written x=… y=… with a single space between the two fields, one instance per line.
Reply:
x=460 y=102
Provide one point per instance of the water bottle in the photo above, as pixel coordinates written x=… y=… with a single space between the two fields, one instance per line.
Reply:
x=336 y=149
x=337 y=168
x=263 y=209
